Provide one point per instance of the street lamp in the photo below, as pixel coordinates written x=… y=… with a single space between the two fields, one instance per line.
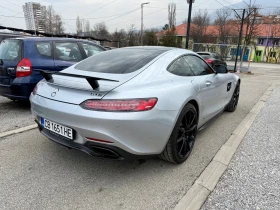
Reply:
x=142 y=5
x=190 y=2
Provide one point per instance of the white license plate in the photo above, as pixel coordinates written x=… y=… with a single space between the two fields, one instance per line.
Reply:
x=57 y=128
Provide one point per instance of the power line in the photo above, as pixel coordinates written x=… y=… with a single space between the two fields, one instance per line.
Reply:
x=100 y=7
x=9 y=9
x=13 y=3
x=220 y=3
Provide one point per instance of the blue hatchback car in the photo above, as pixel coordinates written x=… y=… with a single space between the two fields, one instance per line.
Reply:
x=20 y=57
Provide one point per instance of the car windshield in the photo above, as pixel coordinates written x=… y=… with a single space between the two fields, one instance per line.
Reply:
x=10 y=49
x=119 y=61
x=204 y=55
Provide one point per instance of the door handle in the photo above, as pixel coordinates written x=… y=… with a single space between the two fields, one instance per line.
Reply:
x=208 y=83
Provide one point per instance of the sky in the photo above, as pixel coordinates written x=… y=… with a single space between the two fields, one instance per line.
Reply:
x=117 y=14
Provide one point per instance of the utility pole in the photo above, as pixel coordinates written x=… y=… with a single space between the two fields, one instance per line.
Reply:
x=190 y=2
x=240 y=36
x=142 y=25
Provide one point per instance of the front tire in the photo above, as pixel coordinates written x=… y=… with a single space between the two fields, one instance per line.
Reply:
x=181 y=141
x=231 y=107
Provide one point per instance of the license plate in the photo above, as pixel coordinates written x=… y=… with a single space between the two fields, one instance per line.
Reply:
x=57 y=128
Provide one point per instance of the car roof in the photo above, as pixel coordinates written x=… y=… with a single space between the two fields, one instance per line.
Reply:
x=50 y=39
x=209 y=53
x=161 y=48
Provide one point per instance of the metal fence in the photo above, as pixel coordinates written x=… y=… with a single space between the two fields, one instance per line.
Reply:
x=226 y=51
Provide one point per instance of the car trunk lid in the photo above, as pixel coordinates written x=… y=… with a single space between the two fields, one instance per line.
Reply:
x=70 y=89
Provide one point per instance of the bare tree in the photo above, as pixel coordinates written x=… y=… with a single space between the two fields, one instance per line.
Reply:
x=52 y=21
x=133 y=36
x=121 y=37
x=172 y=15
x=224 y=29
x=250 y=22
x=87 y=26
x=100 y=31
x=78 y=25
x=200 y=23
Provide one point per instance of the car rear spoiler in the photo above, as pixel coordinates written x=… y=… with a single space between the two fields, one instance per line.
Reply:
x=93 y=81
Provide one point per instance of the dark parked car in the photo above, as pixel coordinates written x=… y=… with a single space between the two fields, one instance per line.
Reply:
x=212 y=58
x=20 y=57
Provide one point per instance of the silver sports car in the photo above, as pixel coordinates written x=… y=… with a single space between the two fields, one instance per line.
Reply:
x=133 y=102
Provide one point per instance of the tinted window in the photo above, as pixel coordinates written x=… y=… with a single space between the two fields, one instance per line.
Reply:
x=91 y=49
x=198 y=66
x=10 y=49
x=119 y=61
x=180 y=68
x=204 y=56
x=44 y=48
x=67 y=51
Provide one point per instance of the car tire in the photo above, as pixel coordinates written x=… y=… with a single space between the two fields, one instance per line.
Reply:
x=181 y=141
x=231 y=107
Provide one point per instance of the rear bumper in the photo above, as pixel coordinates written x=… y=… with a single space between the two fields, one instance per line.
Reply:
x=92 y=148
x=137 y=133
x=17 y=91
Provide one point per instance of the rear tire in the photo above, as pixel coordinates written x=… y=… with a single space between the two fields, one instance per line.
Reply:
x=181 y=141
x=231 y=107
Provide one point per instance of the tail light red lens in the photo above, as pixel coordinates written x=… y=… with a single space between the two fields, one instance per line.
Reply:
x=24 y=68
x=127 y=105
x=209 y=61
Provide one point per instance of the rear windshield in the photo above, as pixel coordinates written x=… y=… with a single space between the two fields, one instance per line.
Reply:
x=205 y=56
x=119 y=61
x=10 y=49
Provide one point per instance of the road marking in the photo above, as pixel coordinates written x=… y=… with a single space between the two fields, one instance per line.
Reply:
x=19 y=130
x=209 y=178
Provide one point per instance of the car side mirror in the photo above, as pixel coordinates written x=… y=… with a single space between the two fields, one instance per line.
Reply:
x=220 y=69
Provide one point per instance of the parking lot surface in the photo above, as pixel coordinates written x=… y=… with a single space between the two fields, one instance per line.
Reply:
x=39 y=174
x=14 y=114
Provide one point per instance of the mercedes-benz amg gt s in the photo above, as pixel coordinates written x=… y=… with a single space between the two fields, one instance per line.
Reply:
x=133 y=102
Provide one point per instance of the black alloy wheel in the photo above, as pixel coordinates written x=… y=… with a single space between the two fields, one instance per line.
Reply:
x=181 y=141
x=236 y=96
x=231 y=107
x=186 y=134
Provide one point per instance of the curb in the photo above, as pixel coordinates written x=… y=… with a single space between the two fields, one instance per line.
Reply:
x=19 y=130
x=209 y=178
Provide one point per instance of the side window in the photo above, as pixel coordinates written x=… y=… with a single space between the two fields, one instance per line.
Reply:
x=198 y=66
x=67 y=51
x=44 y=48
x=180 y=68
x=91 y=49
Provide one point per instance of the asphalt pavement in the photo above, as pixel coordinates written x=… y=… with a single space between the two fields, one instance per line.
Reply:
x=252 y=180
x=39 y=174
x=14 y=114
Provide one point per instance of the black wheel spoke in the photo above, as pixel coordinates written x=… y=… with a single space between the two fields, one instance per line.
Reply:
x=182 y=146
x=182 y=138
x=191 y=129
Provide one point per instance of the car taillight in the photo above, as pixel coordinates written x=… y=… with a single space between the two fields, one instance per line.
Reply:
x=24 y=68
x=126 y=105
x=209 y=61
x=35 y=90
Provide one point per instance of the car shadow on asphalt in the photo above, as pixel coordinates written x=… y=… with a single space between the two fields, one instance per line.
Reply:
x=14 y=105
